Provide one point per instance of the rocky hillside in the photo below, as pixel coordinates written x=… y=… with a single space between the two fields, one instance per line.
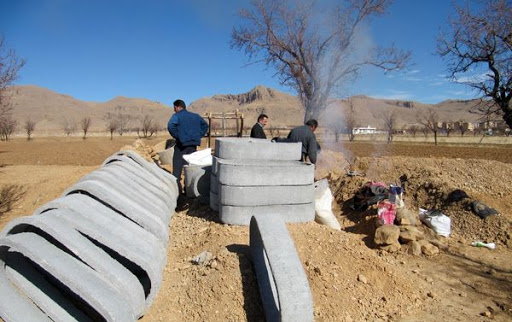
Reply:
x=52 y=110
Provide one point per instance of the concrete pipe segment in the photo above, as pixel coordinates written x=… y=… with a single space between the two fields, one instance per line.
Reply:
x=250 y=176
x=95 y=253
x=282 y=282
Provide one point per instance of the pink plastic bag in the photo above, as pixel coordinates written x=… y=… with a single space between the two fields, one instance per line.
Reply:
x=387 y=212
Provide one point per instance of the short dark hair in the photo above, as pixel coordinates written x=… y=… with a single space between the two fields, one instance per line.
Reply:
x=180 y=103
x=262 y=116
x=312 y=122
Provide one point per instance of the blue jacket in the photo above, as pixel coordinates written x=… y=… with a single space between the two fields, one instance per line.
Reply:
x=187 y=128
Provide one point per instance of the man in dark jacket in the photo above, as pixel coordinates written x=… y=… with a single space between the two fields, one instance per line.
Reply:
x=257 y=130
x=187 y=128
x=306 y=135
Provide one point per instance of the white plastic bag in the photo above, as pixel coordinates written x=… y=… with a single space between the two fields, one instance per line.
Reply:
x=201 y=157
x=436 y=220
x=323 y=202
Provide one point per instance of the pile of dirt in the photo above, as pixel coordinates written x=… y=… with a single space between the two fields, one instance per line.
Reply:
x=351 y=278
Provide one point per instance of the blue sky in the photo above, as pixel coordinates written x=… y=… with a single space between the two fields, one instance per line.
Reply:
x=95 y=50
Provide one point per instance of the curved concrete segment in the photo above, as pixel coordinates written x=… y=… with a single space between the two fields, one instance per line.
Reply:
x=282 y=282
x=80 y=283
x=124 y=205
x=134 y=157
x=256 y=149
x=15 y=306
x=132 y=190
x=96 y=253
x=197 y=181
x=135 y=248
x=288 y=213
x=266 y=195
x=84 y=249
x=263 y=173
x=162 y=192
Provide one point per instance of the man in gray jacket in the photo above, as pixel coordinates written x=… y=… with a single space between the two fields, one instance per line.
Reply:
x=306 y=135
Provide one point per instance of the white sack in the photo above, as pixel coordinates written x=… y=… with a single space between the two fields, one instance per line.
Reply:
x=323 y=205
x=201 y=157
x=436 y=220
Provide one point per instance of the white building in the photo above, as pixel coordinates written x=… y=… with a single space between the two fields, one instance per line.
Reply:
x=365 y=130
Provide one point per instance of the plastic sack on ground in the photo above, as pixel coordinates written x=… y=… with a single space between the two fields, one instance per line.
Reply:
x=201 y=157
x=323 y=208
x=435 y=219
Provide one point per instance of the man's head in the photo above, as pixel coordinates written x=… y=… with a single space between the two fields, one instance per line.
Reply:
x=179 y=105
x=313 y=124
x=263 y=119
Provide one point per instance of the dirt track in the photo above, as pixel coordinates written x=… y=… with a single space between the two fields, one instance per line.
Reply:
x=461 y=283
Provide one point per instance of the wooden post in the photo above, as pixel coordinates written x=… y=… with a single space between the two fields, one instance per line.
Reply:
x=241 y=125
x=209 y=130
x=237 y=124
x=223 y=124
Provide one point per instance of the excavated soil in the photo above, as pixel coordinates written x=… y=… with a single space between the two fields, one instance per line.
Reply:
x=351 y=278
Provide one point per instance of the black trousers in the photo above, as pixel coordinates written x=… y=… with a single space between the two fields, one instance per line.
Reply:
x=178 y=162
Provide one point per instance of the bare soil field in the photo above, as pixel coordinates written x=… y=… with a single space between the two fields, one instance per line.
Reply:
x=351 y=278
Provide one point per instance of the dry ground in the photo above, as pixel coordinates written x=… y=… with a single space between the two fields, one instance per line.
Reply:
x=350 y=278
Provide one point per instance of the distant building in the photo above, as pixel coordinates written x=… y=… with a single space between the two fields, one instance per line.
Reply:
x=365 y=130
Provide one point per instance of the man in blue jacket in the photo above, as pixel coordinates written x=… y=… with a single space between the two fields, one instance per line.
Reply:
x=187 y=128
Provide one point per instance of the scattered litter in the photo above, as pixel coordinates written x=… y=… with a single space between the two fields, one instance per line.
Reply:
x=202 y=258
x=456 y=195
x=387 y=212
x=482 y=210
x=353 y=173
x=370 y=194
x=436 y=220
x=482 y=244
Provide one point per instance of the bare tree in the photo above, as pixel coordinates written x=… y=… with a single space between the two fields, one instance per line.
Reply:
x=482 y=40
x=111 y=123
x=85 y=124
x=7 y=126
x=351 y=120
x=69 y=126
x=430 y=120
x=390 y=119
x=10 y=64
x=30 y=126
x=123 y=119
x=413 y=129
x=461 y=126
x=147 y=127
x=313 y=55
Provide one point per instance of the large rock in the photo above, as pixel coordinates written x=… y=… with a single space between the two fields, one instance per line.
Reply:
x=405 y=216
x=409 y=233
x=387 y=235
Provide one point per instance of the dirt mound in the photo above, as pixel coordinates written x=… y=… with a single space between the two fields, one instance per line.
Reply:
x=351 y=279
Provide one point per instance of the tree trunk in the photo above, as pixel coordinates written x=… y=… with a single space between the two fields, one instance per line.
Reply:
x=507 y=115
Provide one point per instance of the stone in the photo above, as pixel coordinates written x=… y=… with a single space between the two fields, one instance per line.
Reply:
x=392 y=248
x=405 y=216
x=429 y=250
x=409 y=233
x=387 y=235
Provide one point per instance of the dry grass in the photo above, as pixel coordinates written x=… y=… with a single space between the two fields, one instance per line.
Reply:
x=10 y=194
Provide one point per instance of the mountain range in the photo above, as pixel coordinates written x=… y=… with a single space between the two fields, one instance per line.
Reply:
x=51 y=110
